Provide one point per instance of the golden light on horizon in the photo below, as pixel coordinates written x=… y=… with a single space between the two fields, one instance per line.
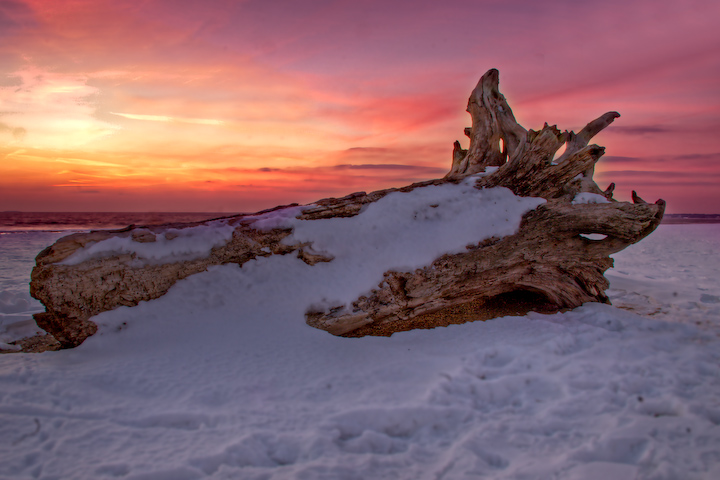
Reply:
x=149 y=99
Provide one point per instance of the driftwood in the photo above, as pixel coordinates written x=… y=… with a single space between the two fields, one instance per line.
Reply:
x=549 y=258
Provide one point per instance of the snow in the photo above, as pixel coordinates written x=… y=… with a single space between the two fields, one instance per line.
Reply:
x=172 y=245
x=276 y=218
x=404 y=231
x=587 y=197
x=222 y=379
x=681 y=286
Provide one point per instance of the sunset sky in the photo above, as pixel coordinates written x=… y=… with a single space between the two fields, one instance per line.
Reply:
x=234 y=106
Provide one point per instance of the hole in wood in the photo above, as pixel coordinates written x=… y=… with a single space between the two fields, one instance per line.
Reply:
x=501 y=146
x=559 y=153
x=594 y=236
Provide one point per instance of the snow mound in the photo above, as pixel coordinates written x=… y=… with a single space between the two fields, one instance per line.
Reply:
x=277 y=218
x=404 y=231
x=173 y=245
x=587 y=197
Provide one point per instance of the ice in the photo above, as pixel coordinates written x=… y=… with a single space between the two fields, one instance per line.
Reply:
x=18 y=251
x=222 y=379
x=14 y=302
x=682 y=283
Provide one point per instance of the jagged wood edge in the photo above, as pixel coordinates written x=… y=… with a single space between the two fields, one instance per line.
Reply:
x=525 y=166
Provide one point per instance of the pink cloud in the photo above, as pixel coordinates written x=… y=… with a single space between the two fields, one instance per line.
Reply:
x=297 y=85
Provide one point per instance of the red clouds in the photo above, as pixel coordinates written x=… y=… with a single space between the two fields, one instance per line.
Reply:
x=235 y=106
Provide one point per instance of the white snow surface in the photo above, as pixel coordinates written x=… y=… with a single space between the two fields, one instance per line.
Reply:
x=277 y=218
x=404 y=231
x=587 y=197
x=222 y=379
x=683 y=284
x=172 y=245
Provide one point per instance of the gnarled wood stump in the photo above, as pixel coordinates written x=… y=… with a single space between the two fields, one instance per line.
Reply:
x=550 y=256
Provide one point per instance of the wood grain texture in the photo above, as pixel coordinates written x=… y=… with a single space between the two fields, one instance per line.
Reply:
x=548 y=258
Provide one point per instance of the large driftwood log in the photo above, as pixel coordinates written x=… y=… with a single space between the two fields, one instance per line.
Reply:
x=550 y=256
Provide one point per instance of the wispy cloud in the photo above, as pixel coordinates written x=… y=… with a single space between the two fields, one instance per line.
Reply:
x=639 y=129
x=312 y=99
x=407 y=168
x=80 y=161
x=164 y=118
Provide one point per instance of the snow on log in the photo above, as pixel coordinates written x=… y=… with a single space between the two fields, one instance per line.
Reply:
x=506 y=224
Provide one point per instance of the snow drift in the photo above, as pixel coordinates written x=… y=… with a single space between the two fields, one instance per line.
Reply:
x=218 y=379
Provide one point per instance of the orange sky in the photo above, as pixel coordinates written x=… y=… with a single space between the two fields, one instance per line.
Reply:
x=235 y=106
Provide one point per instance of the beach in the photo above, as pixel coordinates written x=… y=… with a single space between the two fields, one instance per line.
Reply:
x=221 y=378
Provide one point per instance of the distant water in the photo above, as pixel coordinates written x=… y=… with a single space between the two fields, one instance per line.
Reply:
x=23 y=235
x=685 y=218
x=61 y=221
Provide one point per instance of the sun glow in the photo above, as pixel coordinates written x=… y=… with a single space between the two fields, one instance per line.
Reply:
x=54 y=110
x=118 y=105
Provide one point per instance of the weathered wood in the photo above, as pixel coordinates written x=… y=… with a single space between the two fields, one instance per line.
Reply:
x=492 y=120
x=548 y=256
x=74 y=293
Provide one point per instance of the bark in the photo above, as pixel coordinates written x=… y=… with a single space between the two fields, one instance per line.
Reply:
x=549 y=257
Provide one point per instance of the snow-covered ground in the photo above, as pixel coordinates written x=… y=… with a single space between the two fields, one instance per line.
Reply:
x=222 y=379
